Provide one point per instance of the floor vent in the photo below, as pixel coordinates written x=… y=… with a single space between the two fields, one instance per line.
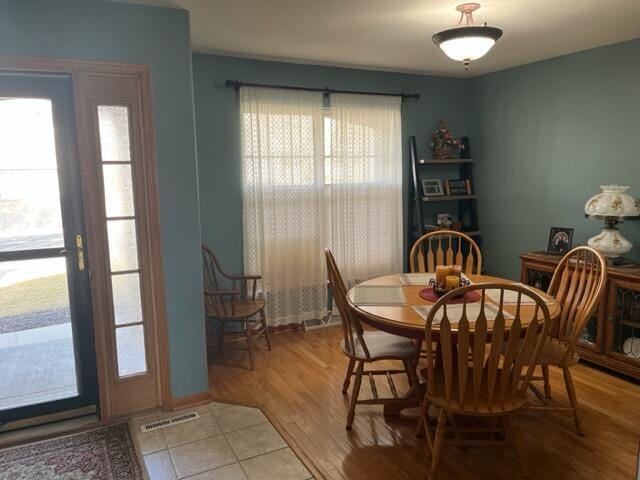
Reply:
x=168 y=422
x=321 y=323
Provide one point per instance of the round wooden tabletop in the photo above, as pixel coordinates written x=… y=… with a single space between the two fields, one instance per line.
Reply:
x=405 y=321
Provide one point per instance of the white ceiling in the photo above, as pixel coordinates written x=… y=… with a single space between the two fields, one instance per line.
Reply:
x=396 y=34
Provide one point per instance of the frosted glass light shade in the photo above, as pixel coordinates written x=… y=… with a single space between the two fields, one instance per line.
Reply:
x=467 y=48
x=465 y=44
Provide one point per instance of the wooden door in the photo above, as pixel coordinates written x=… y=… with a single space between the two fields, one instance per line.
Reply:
x=127 y=280
x=47 y=358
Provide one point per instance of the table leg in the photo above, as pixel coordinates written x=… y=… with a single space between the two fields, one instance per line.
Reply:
x=415 y=395
x=413 y=398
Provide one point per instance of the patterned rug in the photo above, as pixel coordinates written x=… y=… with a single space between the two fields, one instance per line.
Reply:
x=104 y=454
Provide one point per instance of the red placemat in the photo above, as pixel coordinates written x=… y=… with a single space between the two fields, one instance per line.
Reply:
x=470 y=297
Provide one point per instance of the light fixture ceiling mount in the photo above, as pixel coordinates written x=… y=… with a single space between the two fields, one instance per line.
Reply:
x=467 y=41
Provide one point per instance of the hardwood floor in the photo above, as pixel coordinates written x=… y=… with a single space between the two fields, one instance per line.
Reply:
x=299 y=382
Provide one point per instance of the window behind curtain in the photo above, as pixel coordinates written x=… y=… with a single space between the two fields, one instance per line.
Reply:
x=313 y=178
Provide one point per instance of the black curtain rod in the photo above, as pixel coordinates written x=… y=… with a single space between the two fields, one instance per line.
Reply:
x=327 y=91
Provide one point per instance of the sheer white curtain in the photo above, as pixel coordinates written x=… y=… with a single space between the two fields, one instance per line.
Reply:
x=283 y=181
x=314 y=177
x=366 y=185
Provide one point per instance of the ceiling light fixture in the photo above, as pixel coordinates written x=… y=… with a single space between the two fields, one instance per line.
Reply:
x=467 y=42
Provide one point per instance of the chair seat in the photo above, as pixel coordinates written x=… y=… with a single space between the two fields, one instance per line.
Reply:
x=243 y=309
x=381 y=346
x=553 y=353
x=482 y=406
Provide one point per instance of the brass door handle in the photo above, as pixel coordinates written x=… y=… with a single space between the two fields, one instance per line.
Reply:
x=80 y=252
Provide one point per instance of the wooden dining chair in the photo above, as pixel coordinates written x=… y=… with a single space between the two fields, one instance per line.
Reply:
x=466 y=374
x=237 y=305
x=577 y=284
x=445 y=247
x=367 y=347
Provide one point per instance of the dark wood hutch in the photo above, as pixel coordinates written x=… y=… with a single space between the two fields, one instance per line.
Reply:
x=612 y=336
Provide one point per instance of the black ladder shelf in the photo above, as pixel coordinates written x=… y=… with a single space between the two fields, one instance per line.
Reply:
x=467 y=205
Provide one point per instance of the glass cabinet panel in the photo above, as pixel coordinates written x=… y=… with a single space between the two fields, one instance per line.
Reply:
x=590 y=332
x=539 y=279
x=626 y=324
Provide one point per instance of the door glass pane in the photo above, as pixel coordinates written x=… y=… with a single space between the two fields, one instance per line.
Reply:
x=131 y=351
x=37 y=361
x=29 y=194
x=118 y=190
x=123 y=249
x=126 y=298
x=113 y=123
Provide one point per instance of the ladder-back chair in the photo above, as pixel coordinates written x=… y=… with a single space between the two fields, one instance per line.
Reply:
x=577 y=284
x=366 y=347
x=237 y=305
x=445 y=247
x=467 y=375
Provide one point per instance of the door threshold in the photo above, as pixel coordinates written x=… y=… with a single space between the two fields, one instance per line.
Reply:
x=47 y=431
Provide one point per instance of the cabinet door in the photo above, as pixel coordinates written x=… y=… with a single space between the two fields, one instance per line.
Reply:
x=623 y=322
x=592 y=338
x=537 y=276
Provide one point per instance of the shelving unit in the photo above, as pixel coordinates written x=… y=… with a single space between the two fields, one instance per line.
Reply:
x=428 y=168
x=448 y=198
x=444 y=161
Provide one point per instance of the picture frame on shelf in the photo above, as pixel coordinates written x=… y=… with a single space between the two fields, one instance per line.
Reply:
x=560 y=240
x=458 y=187
x=444 y=220
x=432 y=187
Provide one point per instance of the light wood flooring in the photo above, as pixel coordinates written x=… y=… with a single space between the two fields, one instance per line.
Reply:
x=299 y=383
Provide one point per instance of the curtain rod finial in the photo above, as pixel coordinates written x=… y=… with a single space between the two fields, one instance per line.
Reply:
x=233 y=83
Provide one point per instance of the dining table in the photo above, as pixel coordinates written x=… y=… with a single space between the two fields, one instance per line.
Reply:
x=407 y=319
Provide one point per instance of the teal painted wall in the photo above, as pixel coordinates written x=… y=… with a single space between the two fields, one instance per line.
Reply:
x=218 y=128
x=545 y=136
x=109 y=31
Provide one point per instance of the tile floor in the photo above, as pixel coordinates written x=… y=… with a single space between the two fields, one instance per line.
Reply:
x=227 y=442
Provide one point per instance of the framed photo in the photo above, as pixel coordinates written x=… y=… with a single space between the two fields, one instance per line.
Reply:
x=560 y=240
x=458 y=187
x=444 y=220
x=432 y=187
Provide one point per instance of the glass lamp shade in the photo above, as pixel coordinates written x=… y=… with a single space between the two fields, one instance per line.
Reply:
x=465 y=44
x=467 y=48
x=613 y=201
x=613 y=205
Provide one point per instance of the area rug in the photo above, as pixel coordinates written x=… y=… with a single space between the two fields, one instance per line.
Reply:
x=104 y=454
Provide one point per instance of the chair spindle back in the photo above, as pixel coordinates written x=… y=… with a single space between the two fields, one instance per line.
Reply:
x=351 y=327
x=578 y=284
x=212 y=279
x=445 y=247
x=471 y=341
